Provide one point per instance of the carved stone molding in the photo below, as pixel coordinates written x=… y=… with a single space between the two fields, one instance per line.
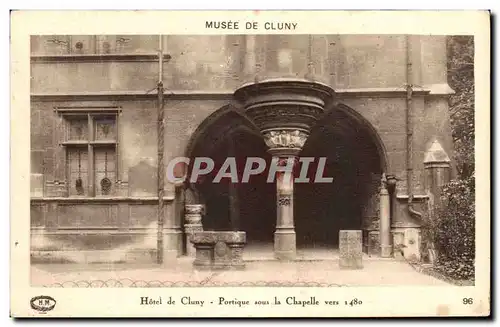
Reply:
x=212 y=237
x=193 y=213
x=291 y=115
x=284 y=102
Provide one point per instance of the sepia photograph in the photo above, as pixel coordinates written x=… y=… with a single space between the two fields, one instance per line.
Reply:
x=237 y=161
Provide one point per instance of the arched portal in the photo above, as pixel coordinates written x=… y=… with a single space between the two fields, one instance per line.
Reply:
x=250 y=206
x=355 y=159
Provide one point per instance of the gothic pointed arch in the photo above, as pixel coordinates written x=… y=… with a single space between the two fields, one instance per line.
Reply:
x=215 y=130
x=355 y=159
x=230 y=205
x=215 y=126
x=351 y=123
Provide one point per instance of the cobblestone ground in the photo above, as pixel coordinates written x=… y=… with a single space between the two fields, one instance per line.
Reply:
x=300 y=273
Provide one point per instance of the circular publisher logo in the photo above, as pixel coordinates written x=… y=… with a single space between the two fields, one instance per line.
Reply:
x=42 y=303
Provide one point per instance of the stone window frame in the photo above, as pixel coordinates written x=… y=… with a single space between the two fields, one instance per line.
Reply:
x=89 y=114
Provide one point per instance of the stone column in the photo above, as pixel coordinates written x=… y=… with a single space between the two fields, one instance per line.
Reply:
x=285 y=144
x=284 y=110
x=234 y=206
x=234 y=201
x=284 y=236
x=192 y=225
x=385 y=220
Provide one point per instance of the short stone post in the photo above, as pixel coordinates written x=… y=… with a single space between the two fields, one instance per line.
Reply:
x=351 y=249
x=437 y=170
x=192 y=225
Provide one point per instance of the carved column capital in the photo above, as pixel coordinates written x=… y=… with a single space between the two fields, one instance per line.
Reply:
x=285 y=141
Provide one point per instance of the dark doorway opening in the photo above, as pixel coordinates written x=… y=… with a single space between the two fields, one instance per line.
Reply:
x=352 y=159
x=250 y=206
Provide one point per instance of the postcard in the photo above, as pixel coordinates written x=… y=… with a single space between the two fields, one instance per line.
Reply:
x=250 y=164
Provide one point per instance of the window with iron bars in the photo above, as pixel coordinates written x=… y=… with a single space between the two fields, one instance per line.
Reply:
x=90 y=142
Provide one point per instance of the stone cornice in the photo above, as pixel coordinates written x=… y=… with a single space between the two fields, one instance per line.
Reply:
x=72 y=200
x=94 y=230
x=380 y=92
x=94 y=58
x=228 y=94
x=133 y=95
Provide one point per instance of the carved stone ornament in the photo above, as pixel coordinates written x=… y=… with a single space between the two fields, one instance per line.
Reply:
x=284 y=102
x=285 y=138
x=220 y=249
x=284 y=200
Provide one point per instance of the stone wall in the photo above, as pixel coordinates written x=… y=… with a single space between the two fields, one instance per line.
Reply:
x=200 y=74
x=95 y=231
x=223 y=62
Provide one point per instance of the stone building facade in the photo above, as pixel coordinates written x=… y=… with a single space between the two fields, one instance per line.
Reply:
x=376 y=106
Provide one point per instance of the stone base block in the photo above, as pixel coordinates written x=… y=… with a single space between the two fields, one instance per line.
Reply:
x=412 y=244
x=218 y=250
x=386 y=251
x=285 y=244
x=351 y=249
x=190 y=229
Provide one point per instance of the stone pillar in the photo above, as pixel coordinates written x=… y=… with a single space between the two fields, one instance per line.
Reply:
x=192 y=225
x=234 y=206
x=284 y=110
x=284 y=145
x=437 y=170
x=234 y=201
x=284 y=236
x=385 y=220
